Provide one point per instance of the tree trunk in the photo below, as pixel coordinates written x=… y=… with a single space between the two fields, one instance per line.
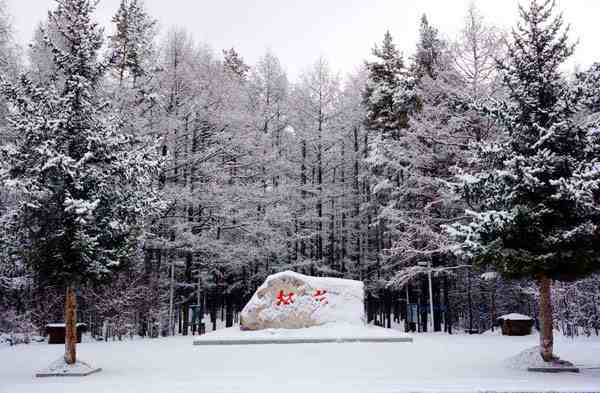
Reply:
x=70 y=326
x=229 y=311
x=424 y=305
x=448 y=314
x=470 y=298
x=546 y=334
x=171 y=331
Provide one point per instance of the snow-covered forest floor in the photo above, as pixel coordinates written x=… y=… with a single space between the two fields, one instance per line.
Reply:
x=432 y=363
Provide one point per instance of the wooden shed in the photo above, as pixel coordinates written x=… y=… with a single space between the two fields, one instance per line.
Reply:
x=515 y=324
x=56 y=332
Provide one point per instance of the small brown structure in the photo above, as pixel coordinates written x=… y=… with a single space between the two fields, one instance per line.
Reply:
x=56 y=332
x=515 y=324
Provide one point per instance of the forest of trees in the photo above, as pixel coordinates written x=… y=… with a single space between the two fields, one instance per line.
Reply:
x=205 y=174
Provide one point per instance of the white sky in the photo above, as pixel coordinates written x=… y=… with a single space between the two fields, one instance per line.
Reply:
x=343 y=31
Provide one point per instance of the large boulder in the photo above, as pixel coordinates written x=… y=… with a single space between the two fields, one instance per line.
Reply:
x=290 y=300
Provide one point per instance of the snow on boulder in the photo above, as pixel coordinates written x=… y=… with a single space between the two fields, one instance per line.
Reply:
x=291 y=300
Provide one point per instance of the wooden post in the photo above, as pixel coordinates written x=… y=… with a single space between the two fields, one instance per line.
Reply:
x=70 y=326
x=546 y=334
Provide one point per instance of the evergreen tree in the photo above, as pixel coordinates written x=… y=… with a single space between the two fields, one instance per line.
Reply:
x=84 y=188
x=429 y=51
x=390 y=101
x=132 y=85
x=132 y=42
x=418 y=168
x=388 y=81
x=10 y=63
x=538 y=195
x=235 y=64
x=590 y=85
x=10 y=60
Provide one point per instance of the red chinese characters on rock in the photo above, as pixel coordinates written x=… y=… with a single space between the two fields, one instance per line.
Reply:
x=320 y=296
x=283 y=300
x=287 y=299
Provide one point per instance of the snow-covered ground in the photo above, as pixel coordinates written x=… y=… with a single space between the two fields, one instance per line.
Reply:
x=432 y=363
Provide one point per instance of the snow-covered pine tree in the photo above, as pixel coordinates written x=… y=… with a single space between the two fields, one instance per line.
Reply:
x=10 y=63
x=10 y=52
x=389 y=99
x=387 y=77
x=427 y=150
x=429 y=51
x=84 y=187
x=132 y=42
x=452 y=78
x=538 y=213
x=590 y=84
x=132 y=87
x=408 y=167
x=14 y=279
x=234 y=63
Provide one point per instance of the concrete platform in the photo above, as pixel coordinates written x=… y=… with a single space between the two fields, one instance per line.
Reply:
x=555 y=369
x=328 y=333
x=68 y=374
x=303 y=340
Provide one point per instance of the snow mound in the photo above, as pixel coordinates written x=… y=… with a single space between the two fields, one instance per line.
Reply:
x=60 y=368
x=532 y=359
x=528 y=358
x=515 y=317
x=20 y=338
x=291 y=300
x=494 y=332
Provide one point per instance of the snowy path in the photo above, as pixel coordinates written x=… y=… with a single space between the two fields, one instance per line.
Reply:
x=432 y=363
